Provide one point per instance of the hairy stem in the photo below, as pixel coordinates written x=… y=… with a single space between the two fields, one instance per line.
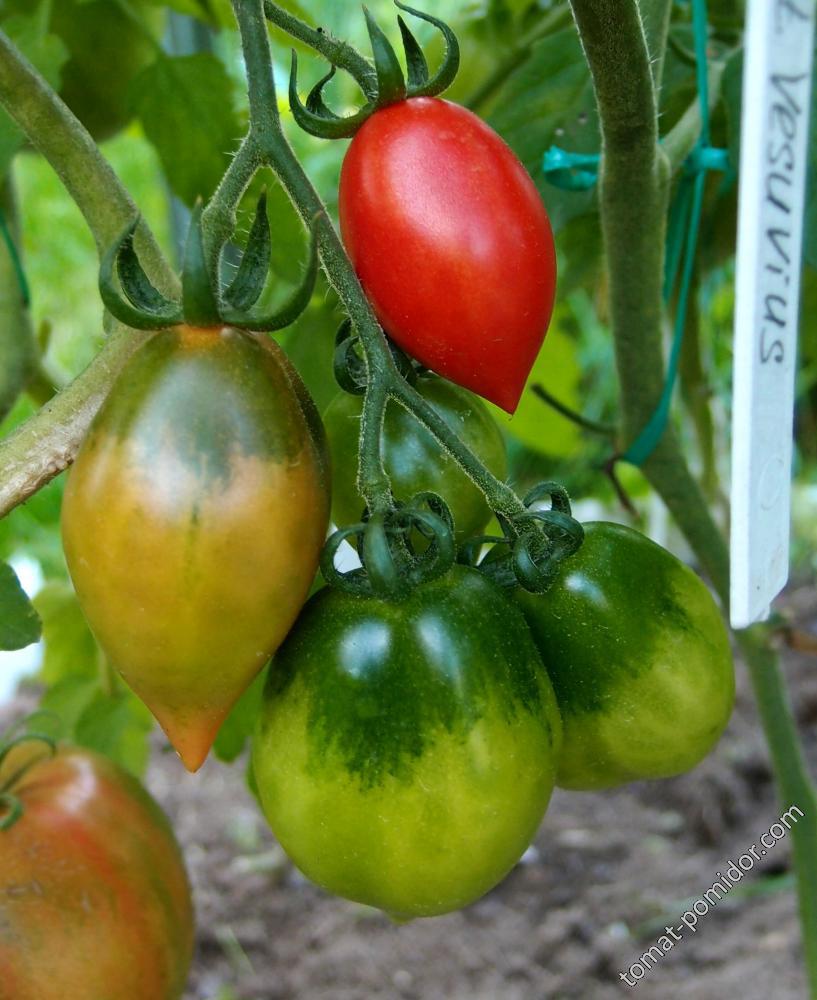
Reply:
x=633 y=195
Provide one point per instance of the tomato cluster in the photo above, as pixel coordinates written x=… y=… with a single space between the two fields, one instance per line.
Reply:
x=408 y=743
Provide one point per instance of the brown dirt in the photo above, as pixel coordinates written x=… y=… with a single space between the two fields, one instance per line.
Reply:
x=607 y=872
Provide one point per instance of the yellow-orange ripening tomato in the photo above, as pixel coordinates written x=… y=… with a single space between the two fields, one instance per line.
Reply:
x=94 y=899
x=193 y=521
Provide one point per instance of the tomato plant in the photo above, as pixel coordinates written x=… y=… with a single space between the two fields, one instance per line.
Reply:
x=451 y=242
x=639 y=658
x=414 y=461
x=192 y=521
x=409 y=734
x=94 y=898
x=406 y=751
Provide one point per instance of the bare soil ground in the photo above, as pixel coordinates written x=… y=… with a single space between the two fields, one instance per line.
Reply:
x=607 y=872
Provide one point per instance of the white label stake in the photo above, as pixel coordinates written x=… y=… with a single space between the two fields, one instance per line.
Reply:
x=774 y=130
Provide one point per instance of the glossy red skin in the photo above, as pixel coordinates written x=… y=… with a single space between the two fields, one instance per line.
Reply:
x=94 y=898
x=451 y=243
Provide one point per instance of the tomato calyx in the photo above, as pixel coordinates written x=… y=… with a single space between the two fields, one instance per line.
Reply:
x=400 y=548
x=130 y=296
x=350 y=369
x=533 y=545
x=387 y=86
x=11 y=806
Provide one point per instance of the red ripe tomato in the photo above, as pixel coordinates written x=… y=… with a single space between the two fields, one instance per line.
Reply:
x=451 y=243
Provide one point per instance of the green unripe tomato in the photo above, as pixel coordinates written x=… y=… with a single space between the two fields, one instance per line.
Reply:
x=639 y=658
x=406 y=751
x=412 y=458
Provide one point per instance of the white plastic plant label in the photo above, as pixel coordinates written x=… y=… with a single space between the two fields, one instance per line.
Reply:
x=774 y=131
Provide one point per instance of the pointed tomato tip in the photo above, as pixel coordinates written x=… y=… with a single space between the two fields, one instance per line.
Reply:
x=191 y=743
x=505 y=398
x=192 y=761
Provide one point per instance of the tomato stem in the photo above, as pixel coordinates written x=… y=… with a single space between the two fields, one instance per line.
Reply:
x=266 y=144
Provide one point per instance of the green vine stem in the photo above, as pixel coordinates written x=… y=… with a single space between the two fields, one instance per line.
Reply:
x=267 y=144
x=46 y=444
x=18 y=345
x=633 y=201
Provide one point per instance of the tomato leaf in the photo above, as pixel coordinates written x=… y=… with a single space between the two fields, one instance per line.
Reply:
x=185 y=104
x=19 y=622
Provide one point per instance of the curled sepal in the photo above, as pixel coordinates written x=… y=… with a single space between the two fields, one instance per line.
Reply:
x=444 y=77
x=244 y=290
x=537 y=554
x=391 y=85
x=199 y=296
x=318 y=120
x=11 y=807
x=387 y=577
x=290 y=310
x=392 y=567
x=536 y=542
x=314 y=100
x=143 y=307
x=388 y=85
x=353 y=581
x=349 y=367
x=436 y=525
x=555 y=492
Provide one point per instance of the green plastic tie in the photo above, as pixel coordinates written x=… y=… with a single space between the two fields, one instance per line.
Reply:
x=569 y=170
